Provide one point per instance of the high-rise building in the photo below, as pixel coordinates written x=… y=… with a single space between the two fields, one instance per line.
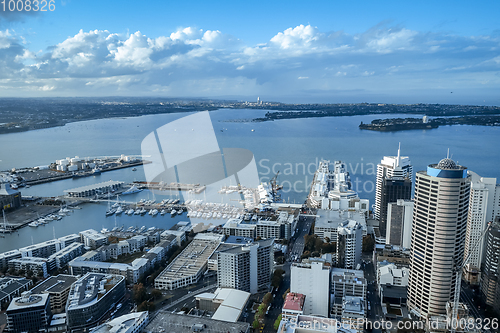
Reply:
x=399 y=223
x=438 y=236
x=393 y=189
x=247 y=267
x=490 y=274
x=349 y=244
x=484 y=204
x=394 y=179
x=311 y=278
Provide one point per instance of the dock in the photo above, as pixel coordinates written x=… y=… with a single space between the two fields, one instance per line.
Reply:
x=191 y=188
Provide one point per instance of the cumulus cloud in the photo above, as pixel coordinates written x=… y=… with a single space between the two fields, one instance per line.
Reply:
x=298 y=59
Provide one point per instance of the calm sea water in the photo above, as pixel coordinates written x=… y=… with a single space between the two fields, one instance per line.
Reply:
x=292 y=147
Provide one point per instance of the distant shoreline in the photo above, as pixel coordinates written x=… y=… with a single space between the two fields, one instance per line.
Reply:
x=21 y=115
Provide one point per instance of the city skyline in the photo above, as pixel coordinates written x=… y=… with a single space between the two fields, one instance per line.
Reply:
x=326 y=52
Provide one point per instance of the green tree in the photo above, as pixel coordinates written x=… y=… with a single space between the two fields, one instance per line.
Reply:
x=268 y=298
x=255 y=324
x=277 y=322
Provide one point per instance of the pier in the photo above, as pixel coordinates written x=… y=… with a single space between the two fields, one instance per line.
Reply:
x=191 y=188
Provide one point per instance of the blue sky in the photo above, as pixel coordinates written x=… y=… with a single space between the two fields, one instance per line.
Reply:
x=289 y=51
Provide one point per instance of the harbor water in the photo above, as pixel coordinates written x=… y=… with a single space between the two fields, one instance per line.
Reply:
x=293 y=147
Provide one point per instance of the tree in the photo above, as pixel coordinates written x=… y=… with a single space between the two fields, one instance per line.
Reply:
x=139 y=293
x=255 y=324
x=368 y=244
x=156 y=293
x=146 y=306
x=277 y=322
x=268 y=298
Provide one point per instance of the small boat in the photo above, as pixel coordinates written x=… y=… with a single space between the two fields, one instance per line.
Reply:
x=173 y=212
x=96 y=171
x=130 y=212
x=163 y=212
x=199 y=214
x=152 y=229
x=154 y=212
x=219 y=215
x=115 y=205
x=119 y=210
x=142 y=229
x=143 y=211
x=209 y=215
x=134 y=169
x=180 y=211
x=110 y=212
x=33 y=224
x=137 y=211
x=104 y=230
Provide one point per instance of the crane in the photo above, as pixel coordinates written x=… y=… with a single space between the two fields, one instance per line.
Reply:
x=458 y=280
x=275 y=187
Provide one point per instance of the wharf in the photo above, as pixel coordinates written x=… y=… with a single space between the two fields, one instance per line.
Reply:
x=192 y=188
x=24 y=215
x=46 y=176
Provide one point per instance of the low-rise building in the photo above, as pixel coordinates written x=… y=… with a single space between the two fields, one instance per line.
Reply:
x=293 y=306
x=173 y=322
x=237 y=227
x=225 y=303
x=62 y=257
x=12 y=287
x=328 y=222
x=58 y=288
x=91 y=297
x=8 y=256
x=129 y=323
x=29 y=313
x=38 y=266
x=188 y=267
x=93 y=239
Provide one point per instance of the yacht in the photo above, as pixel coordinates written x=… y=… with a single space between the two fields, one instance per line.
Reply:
x=132 y=189
x=137 y=211
x=173 y=212
x=119 y=210
x=33 y=224
x=154 y=212
x=163 y=212
x=104 y=230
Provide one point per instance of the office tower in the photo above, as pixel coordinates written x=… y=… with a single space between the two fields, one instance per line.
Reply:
x=490 y=274
x=349 y=244
x=438 y=236
x=247 y=268
x=394 y=168
x=484 y=204
x=393 y=189
x=399 y=223
x=311 y=278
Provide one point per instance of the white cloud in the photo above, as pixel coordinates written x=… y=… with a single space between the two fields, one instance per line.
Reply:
x=100 y=61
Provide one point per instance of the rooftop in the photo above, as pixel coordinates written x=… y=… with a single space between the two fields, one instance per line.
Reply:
x=28 y=300
x=166 y=322
x=192 y=258
x=86 y=290
x=121 y=324
x=294 y=302
x=93 y=186
x=55 y=284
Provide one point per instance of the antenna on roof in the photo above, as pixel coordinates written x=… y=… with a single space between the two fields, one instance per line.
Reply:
x=448 y=155
x=399 y=155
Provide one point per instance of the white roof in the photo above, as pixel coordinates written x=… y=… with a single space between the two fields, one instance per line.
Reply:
x=226 y=313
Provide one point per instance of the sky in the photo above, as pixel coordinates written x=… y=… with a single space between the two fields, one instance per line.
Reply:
x=287 y=51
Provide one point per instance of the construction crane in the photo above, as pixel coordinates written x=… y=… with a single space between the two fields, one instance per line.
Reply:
x=275 y=187
x=458 y=280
